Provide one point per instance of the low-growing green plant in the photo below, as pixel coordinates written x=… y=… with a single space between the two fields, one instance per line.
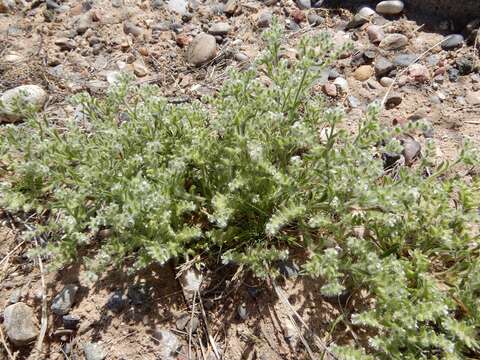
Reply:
x=261 y=168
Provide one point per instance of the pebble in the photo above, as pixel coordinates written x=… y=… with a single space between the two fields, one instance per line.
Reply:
x=383 y=67
x=221 y=28
x=473 y=97
x=366 y=12
x=168 y=343
x=230 y=7
x=304 y=4
x=369 y=56
x=434 y=99
x=242 y=311
x=357 y=21
x=386 y=81
x=182 y=322
x=202 y=49
x=178 y=6
x=441 y=96
x=139 y=68
x=187 y=323
x=240 y=57
x=116 y=302
x=190 y=280
x=62 y=303
x=373 y=84
x=29 y=95
x=390 y=7
x=330 y=89
x=333 y=74
x=70 y=321
x=375 y=34
x=314 y=19
x=52 y=5
x=353 y=101
x=411 y=150
x=394 y=41
x=288 y=268
x=264 y=19
x=291 y=25
x=12 y=57
x=419 y=73
x=130 y=28
x=452 y=42
x=357 y=60
x=83 y=23
x=453 y=74
x=433 y=60
x=66 y=44
x=20 y=324
x=138 y=294
x=404 y=60
x=363 y=73
x=393 y=100
x=341 y=84
x=15 y=296
x=94 y=351
x=361 y=17
x=298 y=16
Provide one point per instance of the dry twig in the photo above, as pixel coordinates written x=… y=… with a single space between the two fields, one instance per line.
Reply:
x=209 y=334
x=190 y=327
x=44 y=321
x=283 y=298
x=5 y=258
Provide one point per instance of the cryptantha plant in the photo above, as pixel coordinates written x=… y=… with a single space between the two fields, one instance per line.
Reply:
x=261 y=168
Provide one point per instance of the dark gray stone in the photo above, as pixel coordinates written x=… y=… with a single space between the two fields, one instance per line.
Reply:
x=138 y=295
x=116 y=302
x=452 y=42
x=304 y=4
x=333 y=74
x=383 y=67
x=411 y=150
x=453 y=74
x=288 y=268
x=63 y=302
x=404 y=60
x=465 y=65
x=70 y=321
x=315 y=20
x=264 y=19
x=357 y=21
x=52 y=5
